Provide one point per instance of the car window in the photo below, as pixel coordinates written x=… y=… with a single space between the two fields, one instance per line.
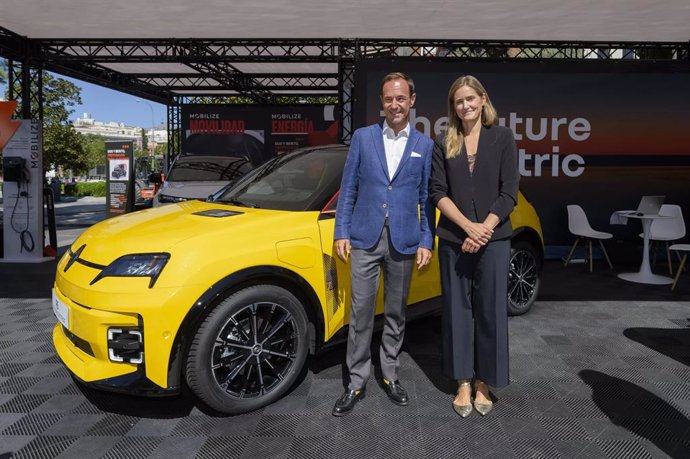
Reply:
x=208 y=168
x=304 y=180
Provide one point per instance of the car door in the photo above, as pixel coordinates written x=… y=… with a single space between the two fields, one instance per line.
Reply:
x=425 y=283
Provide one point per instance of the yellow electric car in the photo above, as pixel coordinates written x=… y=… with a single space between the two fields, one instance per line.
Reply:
x=230 y=295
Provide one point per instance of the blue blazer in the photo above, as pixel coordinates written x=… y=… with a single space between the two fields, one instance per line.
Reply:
x=367 y=193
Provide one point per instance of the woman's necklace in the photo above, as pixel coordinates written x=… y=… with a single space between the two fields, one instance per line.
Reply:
x=471 y=160
x=471 y=157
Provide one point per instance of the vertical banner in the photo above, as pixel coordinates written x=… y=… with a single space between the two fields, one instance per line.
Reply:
x=120 y=177
x=597 y=134
x=22 y=191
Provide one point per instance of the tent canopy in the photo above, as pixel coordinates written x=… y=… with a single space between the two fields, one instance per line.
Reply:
x=535 y=20
x=161 y=49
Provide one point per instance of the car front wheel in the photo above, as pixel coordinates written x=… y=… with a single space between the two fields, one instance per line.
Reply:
x=524 y=278
x=249 y=350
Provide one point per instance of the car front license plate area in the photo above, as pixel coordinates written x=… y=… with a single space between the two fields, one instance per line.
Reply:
x=61 y=311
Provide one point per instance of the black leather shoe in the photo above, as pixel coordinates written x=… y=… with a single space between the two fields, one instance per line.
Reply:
x=396 y=393
x=347 y=401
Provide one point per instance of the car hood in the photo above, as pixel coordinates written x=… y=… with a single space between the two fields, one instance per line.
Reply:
x=162 y=228
x=192 y=190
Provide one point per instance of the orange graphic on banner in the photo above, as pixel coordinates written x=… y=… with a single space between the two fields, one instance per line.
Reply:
x=8 y=126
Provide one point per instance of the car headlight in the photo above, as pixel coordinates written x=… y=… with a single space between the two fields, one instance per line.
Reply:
x=138 y=265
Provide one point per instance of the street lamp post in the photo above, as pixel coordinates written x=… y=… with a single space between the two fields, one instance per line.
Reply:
x=152 y=122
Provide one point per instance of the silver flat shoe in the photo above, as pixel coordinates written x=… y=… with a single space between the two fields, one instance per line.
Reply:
x=482 y=408
x=463 y=410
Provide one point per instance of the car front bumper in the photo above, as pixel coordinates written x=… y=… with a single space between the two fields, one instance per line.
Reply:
x=84 y=345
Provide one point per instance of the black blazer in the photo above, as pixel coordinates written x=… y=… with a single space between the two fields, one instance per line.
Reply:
x=492 y=187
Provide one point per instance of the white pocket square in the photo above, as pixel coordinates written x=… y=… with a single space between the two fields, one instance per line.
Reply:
x=415 y=155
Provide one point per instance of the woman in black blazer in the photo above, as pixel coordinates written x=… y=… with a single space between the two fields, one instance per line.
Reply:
x=474 y=183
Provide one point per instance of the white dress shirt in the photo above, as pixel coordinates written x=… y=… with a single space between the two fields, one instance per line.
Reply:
x=394 y=145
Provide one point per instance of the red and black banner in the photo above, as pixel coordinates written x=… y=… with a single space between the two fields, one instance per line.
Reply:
x=256 y=132
x=597 y=134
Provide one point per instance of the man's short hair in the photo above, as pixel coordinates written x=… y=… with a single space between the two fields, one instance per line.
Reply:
x=397 y=76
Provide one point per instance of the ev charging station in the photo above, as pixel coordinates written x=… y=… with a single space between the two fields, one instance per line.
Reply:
x=22 y=191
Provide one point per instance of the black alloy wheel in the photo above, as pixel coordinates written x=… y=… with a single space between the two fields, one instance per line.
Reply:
x=249 y=350
x=524 y=278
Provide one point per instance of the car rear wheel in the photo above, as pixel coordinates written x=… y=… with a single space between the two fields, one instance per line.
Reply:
x=524 y=278
x=249 y=350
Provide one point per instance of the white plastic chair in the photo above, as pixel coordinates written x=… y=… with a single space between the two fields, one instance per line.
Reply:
x=680 y=248
x=667 y=230
x=580 y=227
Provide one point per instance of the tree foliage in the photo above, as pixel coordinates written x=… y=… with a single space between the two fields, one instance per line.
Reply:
x=161 y=149
x=59 y=96
x=63 y=147
x=144 y=140
x=3 y=71
x=94 y=148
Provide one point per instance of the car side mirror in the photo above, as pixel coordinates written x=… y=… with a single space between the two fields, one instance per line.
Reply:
x=156 y=177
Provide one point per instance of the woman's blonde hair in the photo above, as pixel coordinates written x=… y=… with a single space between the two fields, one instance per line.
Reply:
x=454 y=135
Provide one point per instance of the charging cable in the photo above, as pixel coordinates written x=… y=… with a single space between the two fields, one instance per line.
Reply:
x=25 y=237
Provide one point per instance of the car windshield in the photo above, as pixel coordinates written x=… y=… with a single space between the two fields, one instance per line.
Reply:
x=194 y=168
x=298 y=181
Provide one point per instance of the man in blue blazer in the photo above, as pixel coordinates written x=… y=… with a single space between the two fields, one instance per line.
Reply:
x=379 y=223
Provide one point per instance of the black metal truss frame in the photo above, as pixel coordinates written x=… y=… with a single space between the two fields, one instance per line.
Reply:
x=12 y=45
x=190 y=50
x=487 y=50
x=30 y=95
x=214 y=77
x=262 y=81
x=346 y=90
x=225 y=75
x=212 y=62
x=174 y=131
x=327 y=50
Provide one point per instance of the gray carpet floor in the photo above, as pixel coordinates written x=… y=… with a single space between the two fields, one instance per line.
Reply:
x=605 y=379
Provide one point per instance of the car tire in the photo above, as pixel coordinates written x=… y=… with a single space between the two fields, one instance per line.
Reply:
x=524 y=277
x=249 y=350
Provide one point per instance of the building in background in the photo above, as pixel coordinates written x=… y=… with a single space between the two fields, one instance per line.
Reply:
x=113 y=130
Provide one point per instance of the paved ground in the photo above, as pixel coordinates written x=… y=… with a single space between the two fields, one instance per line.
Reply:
x=604 y=379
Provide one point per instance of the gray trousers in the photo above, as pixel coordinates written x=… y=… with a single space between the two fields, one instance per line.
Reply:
x=475 y=311
x=365 y=270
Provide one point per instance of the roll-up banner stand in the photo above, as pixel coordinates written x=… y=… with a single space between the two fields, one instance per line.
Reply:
x=597 y=134
x=119 y=159
x=22 y=189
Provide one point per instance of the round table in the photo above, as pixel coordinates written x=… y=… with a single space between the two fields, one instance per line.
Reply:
x=645 y=274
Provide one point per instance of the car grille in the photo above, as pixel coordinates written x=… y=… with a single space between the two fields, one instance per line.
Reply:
x=78 y=342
